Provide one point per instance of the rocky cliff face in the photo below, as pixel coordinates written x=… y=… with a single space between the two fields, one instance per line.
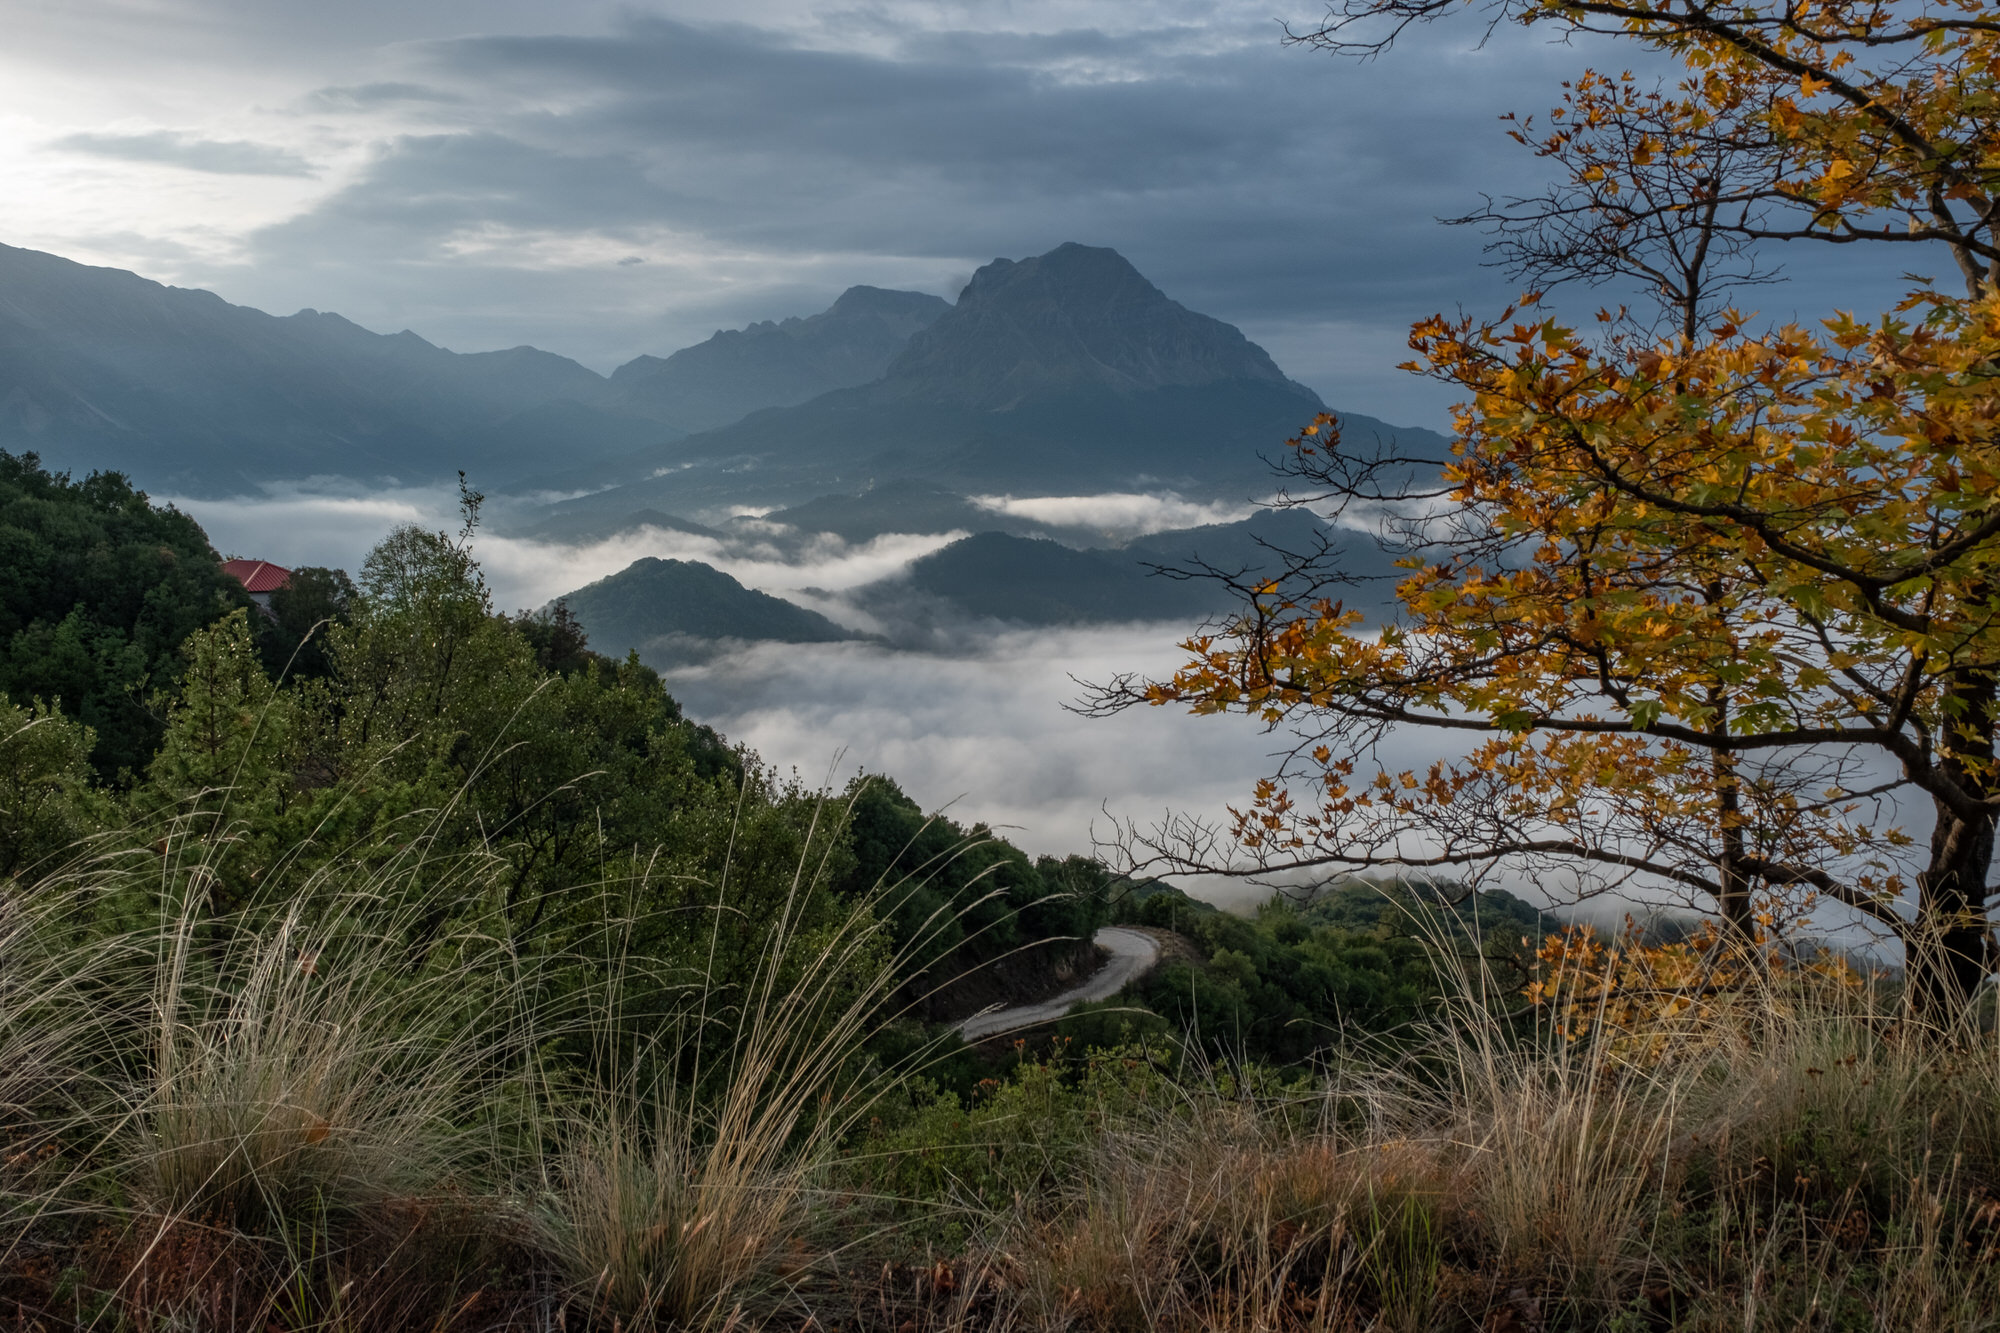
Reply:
x=1077 y=316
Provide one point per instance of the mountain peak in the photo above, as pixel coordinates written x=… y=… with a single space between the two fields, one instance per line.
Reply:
x=1077 y=316
x=775 y=364
x=1077 y=273
x=883 y=301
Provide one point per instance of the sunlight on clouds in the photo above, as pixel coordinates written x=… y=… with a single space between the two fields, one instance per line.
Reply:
x=548 y=247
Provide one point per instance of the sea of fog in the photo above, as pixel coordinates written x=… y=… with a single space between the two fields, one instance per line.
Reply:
x=979 y=722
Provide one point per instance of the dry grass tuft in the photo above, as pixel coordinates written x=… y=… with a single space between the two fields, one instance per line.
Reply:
x=303 y=1082
x=664 y=1208
x=305 y=1120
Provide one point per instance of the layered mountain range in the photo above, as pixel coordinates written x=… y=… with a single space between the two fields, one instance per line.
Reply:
x=1061 y=373
x=100 y=368
x=1064 y=374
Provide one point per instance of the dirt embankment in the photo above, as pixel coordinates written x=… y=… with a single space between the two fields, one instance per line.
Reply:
x=1132 y=954
x=1029 y=976
x=1174 y=946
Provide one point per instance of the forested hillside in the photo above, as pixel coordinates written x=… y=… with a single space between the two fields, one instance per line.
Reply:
x=388 y=862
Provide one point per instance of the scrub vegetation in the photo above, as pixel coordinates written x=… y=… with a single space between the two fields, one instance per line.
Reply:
x=387 y=962
x=459 y=982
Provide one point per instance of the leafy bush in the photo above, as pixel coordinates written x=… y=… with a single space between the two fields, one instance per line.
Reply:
x=101 y=590
x=46 y=804
x=1278 y=987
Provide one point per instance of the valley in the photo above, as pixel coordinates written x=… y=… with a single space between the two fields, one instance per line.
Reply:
x=792 y=699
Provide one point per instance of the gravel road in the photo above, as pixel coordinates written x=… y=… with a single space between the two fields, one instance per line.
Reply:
x=1132 y=955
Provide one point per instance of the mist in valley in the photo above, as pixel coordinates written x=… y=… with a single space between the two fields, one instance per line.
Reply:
x=973 y=718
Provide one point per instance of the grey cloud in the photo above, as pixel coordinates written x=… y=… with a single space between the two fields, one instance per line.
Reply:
x=424 y=186
x=685 y=90
x=758 y=171
x=1260 y=184
x=226 y=157
x=370 y=96
x=987 y=732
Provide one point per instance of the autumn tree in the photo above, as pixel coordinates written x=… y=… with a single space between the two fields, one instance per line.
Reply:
x=1707 y=600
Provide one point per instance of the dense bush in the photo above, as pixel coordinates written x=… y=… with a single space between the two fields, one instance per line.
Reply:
x=972 y=897
x=98 y=591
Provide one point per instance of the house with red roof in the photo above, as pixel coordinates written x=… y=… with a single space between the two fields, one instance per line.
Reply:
x=260 y=578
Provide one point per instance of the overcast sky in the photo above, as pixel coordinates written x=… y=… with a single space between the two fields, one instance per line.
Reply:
x=609 y=179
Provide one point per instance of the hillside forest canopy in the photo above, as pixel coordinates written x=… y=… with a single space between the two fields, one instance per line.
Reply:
x=1698 y=601
x=359 y=722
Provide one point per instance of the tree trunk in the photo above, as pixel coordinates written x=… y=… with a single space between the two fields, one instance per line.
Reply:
x=1734 y=901
x=1947 y=948
x=1947 y=952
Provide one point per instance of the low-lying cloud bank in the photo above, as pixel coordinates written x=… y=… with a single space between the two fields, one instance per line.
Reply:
x=1119 y=515
x=989 y=734
x=980 y=726
x=977 y=722
x=333 y=523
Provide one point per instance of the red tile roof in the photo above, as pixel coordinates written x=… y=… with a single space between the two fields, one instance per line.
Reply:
x=258 y=575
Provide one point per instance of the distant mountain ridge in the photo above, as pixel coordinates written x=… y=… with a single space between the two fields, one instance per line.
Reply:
x=677 y=611
x=100 y=368
x=1064 y=373
x=1034 y=581
x=104 y=369
x=1061 y=374
x=776 y=364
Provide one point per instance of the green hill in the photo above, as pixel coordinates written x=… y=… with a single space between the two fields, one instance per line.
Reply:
x=654 y=599
x=1035 y=581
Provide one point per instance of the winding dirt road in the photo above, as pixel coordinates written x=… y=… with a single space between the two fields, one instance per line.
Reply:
x=1133 y=954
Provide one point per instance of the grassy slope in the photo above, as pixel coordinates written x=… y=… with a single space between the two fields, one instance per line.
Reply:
x=357 y=1151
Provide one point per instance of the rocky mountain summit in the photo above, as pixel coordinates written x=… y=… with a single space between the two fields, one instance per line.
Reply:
x=1076 y=316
